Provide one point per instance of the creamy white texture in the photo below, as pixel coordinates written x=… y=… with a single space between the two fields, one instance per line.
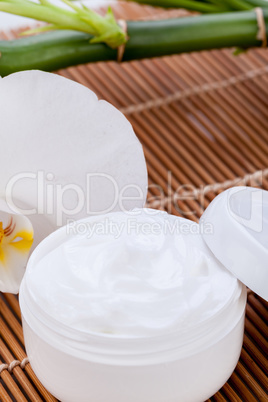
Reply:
x=134 y=275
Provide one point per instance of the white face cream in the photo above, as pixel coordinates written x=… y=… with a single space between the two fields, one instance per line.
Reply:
x=139 y=274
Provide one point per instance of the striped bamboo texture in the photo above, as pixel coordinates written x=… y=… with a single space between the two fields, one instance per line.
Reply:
x=212 y=135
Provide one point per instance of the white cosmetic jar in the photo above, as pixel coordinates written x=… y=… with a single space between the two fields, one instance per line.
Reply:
x=177 y=365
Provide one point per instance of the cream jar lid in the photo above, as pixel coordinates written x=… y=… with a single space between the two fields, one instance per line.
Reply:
x=238 y=218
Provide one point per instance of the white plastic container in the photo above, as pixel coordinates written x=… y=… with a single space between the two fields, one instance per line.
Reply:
x=83 y=366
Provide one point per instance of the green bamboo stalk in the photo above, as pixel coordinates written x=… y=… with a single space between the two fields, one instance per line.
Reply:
x=258 y=3
x=192 y=5
x=209 y=6
x=238 y=5
x=60 y=49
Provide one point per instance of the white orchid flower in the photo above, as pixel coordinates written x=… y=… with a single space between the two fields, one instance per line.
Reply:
x=16 y=239
x=75 y=155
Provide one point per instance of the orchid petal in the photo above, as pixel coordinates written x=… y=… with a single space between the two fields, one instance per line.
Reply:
x=64 y=137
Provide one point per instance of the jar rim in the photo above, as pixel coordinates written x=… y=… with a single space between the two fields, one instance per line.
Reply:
x=117 y=350
x=57 y=238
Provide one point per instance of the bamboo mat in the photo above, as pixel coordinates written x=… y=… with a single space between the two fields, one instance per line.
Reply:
x=203 y=121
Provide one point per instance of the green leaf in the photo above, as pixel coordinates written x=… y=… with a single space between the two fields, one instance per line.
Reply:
x=33 y=31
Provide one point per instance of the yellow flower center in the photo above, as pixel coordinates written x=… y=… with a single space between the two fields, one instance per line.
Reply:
x=2 y=233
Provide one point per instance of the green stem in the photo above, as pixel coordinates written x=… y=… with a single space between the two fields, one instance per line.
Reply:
x=77 y=18
x=60 y=49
